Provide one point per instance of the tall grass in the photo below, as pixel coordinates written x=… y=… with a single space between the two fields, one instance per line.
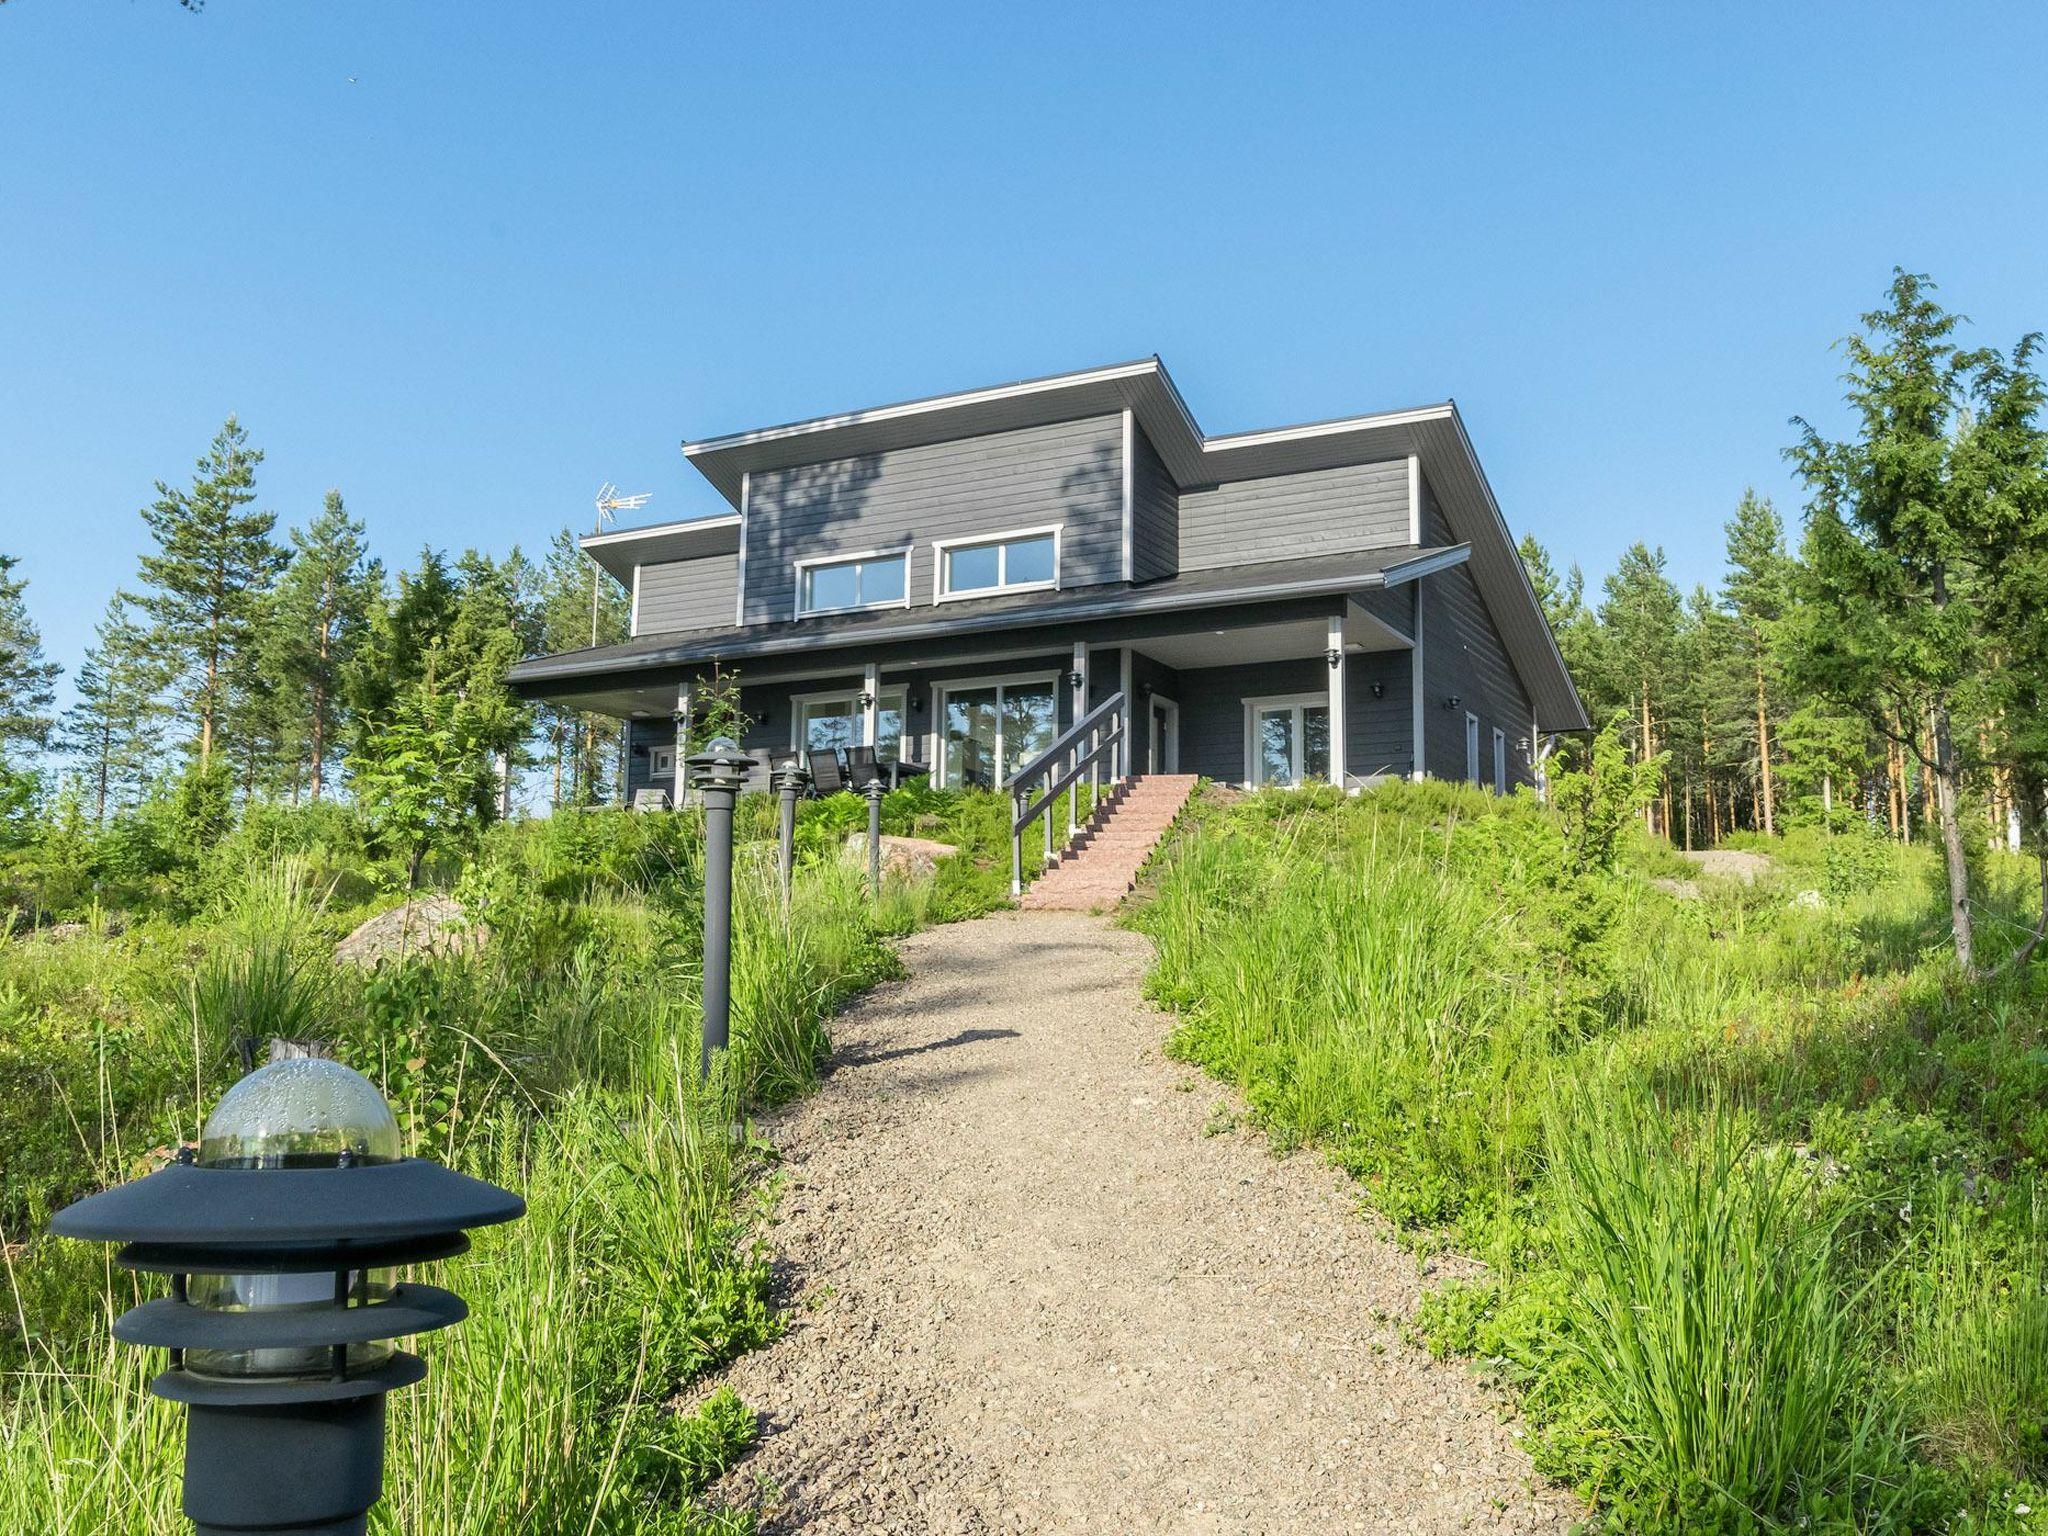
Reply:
x=1701 y=1144
x=1714 y=1326
x=561 y=1061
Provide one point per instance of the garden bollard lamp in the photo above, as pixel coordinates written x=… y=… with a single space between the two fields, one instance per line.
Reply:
x=876 y=788
x=716 y=774
x=281 y=1240
x=790 y=783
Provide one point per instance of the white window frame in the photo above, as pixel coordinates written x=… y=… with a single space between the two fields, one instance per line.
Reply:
x=936 y=756
x=1471 y=748
x=942 y=547
x=908 y=552
x=799 y=702
x=661 y=762
x=1500 y=761
x=1298 y=702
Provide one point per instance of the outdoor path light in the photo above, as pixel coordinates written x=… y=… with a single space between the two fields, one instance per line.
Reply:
x=876 y=788
x=282 y=1239
x=790 y=783
x=716 y=774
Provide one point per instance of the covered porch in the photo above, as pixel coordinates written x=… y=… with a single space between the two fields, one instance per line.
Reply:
x=1255 y=695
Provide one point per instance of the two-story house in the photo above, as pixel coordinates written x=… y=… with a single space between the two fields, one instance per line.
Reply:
x=956 y=579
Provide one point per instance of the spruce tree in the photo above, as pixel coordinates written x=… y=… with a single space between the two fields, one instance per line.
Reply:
x=27 y=679
x=314 y=624
x=1756 y=593
x=114 y=733
x=1889 y=626
x=201 y=589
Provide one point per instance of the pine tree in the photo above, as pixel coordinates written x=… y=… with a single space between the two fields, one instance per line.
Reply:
x=564 y=609
x=1756 y=594
x=1639 y=617
x=202 y=588
x=27 y=680
x=313 y=626
x=114 y=733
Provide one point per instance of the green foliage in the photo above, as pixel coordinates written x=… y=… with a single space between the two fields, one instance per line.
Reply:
x=560 y=1059
x=26 y=679
x=1755 y=1180
x=1596 y=804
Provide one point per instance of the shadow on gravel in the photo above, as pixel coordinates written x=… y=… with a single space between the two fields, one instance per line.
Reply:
x=860 y=1058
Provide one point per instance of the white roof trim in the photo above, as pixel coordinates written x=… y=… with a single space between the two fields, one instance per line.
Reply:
x=905 y=408
x=657 y=530
x=1313 y=429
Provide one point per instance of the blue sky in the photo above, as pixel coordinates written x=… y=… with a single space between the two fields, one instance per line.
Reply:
x=466 y=262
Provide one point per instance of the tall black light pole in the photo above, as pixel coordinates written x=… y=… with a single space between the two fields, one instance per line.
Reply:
x=282 y=1240
x=876 y=788
x=790 y=783
x=716 y=773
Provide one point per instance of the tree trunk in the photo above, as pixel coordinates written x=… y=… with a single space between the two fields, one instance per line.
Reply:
x=1648 y=751
x=1947 y=787
x=1763 y=752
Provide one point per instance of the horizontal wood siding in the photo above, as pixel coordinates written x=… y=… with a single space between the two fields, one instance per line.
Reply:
x=1379 y=733
x=1212 y=711
x=1155 y=513
x=1283 y=517
x=688 y=594
x=1069 y=473
x=1463 y=657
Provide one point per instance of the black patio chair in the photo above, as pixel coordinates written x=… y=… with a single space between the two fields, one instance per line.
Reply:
x=861 y=768
x=828 y=776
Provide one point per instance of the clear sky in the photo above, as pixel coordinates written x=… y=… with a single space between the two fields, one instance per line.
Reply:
x=467 y=261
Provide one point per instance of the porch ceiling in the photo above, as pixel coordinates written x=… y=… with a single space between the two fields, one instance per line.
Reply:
x=1269 y=642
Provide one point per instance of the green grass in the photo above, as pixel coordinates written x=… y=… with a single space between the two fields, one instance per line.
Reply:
x=560 y=1061
x=1754 y=1178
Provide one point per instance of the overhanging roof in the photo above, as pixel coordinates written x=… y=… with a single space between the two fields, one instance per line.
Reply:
x=1268 y=581
x=1433 y=434
x=619 y=551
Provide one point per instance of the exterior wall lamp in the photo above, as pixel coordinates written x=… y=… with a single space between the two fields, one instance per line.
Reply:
x=1076 y=678
x=1452 y=701
x=282 y=1238
x=867 y=700
x=1379 y=690
x=1334 y=657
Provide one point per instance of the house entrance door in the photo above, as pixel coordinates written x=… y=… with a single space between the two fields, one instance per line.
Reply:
x=1162 y=736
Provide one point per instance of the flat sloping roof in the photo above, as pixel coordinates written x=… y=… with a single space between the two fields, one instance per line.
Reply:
x=1267 y=580
x=1432 y=434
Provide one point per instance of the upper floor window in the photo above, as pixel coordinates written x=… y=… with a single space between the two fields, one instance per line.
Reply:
x=1025 y=561
x=877 y=579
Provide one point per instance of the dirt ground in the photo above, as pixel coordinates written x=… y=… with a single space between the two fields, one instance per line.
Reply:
x=1041 y=1281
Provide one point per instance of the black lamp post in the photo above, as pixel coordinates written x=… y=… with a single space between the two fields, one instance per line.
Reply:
x=875 y=788
x=791 y=780
x=281 y=1239
x=716 y=774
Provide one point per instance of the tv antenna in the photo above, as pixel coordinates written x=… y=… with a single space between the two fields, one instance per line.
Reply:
x=609 y=505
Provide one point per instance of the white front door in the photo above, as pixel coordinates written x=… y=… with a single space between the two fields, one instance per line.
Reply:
x=1287 y=740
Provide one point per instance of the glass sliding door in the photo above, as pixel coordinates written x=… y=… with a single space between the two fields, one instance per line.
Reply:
x=822 y=722
x=1288 y=740
x=993 y=729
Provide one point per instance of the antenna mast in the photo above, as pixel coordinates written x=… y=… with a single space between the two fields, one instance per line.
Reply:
x=609 y=504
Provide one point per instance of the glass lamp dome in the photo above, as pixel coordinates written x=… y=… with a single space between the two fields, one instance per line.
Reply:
x=301 y=1113
x=305 y=1112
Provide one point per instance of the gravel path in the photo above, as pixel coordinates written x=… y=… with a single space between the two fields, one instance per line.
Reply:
x=1035 y=1289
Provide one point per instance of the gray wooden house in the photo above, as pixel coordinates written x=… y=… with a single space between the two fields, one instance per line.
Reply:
x=959 y=580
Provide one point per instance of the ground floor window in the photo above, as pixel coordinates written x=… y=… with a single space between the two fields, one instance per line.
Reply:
x=661 y=763
x=1471 y=748
x=993 y=727
x=1287 y=740
x=1500 y=762
x=821 y=722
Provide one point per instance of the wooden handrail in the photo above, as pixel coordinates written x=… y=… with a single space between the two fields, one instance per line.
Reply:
x=1096 y=739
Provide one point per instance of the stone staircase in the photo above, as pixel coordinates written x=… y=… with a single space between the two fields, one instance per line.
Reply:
x=1098 y=869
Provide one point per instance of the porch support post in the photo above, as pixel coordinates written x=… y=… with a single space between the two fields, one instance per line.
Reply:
x=1080 y=670
x=678 y=789
x=871 y=692
x=1126 y=759
x=1338 y=674
x=1415 y=684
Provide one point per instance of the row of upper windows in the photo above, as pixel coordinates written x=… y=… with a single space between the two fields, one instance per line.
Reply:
x=1027 y=560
